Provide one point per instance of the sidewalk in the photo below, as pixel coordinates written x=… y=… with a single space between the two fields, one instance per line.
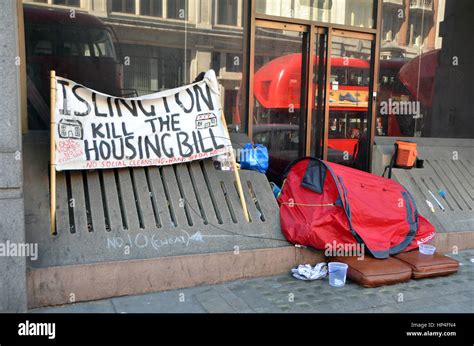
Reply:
x=282 y=293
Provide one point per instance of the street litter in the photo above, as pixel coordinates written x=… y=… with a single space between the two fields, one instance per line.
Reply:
x=307 y=273
x=436 y=200
x=426 y=249
x=430 y=205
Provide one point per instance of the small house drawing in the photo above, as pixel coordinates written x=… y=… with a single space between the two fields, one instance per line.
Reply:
x=205 y=120
x=70 y=129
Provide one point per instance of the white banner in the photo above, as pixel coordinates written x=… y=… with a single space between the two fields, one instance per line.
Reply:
x=97 y=131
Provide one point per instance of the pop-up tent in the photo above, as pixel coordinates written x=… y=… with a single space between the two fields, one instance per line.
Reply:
x=322 y=203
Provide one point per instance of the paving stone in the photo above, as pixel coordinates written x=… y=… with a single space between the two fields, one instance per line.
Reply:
x=380 y=309
x=177 y=301
x=450 y=294
x=101 y=306
x=254 y=299
x=233 y=300
x=211 y=301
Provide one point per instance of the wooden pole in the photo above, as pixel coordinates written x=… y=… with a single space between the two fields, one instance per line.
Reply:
x=52 y=164
x=236 y=172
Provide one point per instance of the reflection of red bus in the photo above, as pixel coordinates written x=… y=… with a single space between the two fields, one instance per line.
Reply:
x=78 y=46
x=277 y=85
x=277 y=89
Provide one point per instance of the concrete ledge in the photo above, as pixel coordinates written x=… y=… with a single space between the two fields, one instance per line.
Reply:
x=85 y=282
x=450 y=241
x=75 y=283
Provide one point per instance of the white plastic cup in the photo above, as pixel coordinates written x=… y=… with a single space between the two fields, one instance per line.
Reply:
x=426 y=249
x=337 y=274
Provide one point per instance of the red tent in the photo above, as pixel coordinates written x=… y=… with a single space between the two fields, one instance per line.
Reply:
x=323 y=202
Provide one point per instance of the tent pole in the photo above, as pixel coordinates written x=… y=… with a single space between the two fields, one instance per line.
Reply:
x=52 y=164
x=236 y=172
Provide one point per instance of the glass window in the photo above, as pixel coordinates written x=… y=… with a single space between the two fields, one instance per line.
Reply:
x=141 y=57
x=414 y=99
x=348 y=133
x=177 y=9
x=73 y=3
x=347 y=12
x=233 y=62
x=40 y=40
x=152 y=8
x=350 y=76
x=75 y=41
x=153 y=69
x=226 y=12
x=216 y=61
x=264 y=138
x=278 y=109
x=126 y=6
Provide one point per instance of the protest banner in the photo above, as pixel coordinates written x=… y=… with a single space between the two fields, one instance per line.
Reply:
x=92 y=130
x=99 y=131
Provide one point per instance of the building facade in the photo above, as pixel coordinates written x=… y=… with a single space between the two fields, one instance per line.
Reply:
x=161 y=44
x=303 y=77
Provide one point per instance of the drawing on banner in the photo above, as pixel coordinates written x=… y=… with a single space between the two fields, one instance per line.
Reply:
x=203 y=121
x=98 y=131
x=70 y=129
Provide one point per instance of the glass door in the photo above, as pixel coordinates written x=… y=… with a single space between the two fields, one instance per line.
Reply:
x=349 y=100
x=279 y=105
x=312 y=90
x=285 y=99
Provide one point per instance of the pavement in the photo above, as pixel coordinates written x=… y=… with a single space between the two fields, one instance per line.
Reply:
x=283 y=293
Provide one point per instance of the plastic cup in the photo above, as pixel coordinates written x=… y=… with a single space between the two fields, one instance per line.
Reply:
x=426 y=249
x=337 y=274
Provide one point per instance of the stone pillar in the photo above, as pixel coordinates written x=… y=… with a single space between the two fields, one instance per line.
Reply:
x=204 y=11
x=203 y=61
x=12 y=223
x=100 y=8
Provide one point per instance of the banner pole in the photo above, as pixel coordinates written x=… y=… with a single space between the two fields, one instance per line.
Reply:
x=52 y=164
x=236 y=172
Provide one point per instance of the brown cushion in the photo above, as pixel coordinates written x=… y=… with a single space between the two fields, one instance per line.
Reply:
x=425 y=266
x=372 y=272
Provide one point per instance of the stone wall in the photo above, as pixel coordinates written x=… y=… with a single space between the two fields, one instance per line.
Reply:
x=12 y=228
